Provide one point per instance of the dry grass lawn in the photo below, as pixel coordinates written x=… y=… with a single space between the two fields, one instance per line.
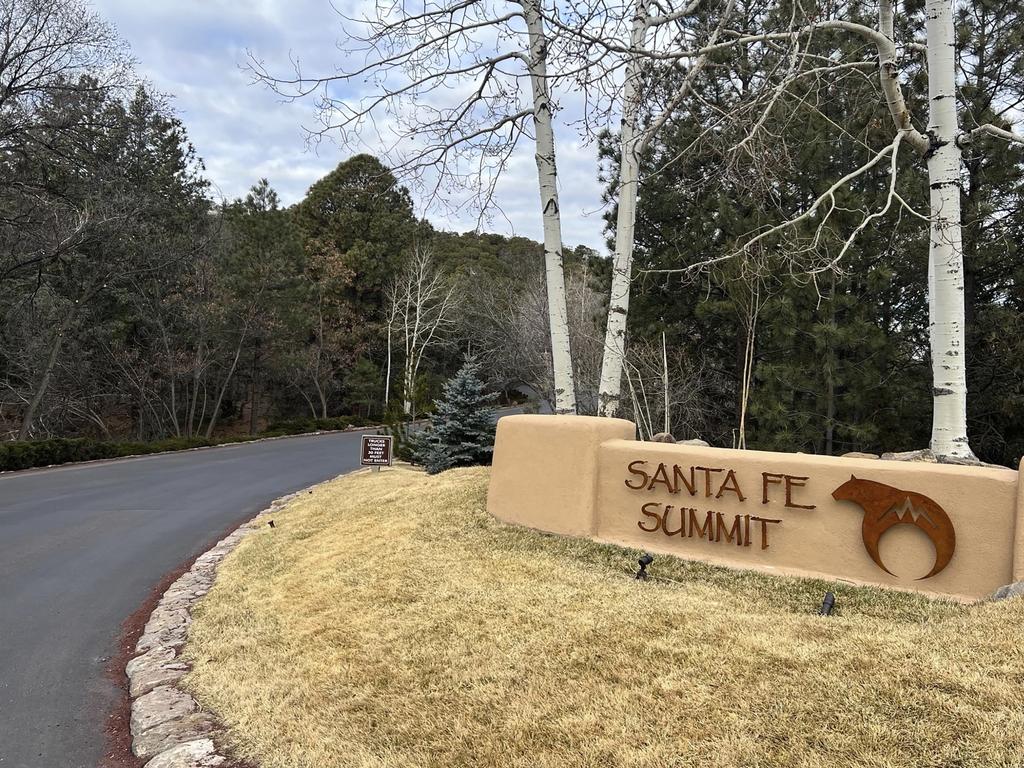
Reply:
x=389 y=621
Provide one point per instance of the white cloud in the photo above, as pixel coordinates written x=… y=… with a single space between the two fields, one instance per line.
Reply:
x=195 y=50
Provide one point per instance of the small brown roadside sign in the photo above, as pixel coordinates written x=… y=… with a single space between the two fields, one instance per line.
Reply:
x=376 y=451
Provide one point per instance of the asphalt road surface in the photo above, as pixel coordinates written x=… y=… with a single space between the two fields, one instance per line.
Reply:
x=81 y=547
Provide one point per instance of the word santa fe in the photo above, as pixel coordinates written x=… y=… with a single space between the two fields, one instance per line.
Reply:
x=708 y=482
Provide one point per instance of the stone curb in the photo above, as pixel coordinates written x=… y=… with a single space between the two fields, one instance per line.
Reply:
x=169 y=728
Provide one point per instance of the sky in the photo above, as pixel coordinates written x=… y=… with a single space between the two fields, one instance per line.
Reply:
x=193 y=50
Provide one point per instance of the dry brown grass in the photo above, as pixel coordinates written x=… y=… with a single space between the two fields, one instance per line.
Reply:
x=389 y=621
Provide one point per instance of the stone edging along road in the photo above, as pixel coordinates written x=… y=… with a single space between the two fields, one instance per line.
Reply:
x=168 y=727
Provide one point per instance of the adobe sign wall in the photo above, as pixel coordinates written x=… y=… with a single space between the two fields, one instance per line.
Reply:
x=942 y=529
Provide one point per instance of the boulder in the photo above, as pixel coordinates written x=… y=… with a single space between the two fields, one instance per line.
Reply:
x=168 y=626
x=194 y=754
x=173 y=733
x=925 y=454
x=153 y=657
x=156 y=667
x=148 y=678
x=158 y=706
x=1010 y=590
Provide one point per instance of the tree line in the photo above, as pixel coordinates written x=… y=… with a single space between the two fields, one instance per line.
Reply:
x=774 y=251
x=915 y=98
x=134 y=306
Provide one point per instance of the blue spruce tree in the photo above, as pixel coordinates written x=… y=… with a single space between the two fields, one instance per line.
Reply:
x=462 y=425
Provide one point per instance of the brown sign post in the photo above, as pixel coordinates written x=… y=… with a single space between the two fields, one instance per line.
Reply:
x=376 y=451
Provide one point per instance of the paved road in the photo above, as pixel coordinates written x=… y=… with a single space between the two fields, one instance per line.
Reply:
x=80 y=549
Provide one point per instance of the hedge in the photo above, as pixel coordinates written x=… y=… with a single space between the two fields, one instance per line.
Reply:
x=63 y=450
x=300 y=426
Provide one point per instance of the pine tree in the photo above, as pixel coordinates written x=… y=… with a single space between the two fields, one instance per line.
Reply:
x=462 y=425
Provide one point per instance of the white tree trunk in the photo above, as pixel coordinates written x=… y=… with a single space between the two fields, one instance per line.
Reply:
x=420 y=300
x=629 y=175
x=945 y=253
x=561 y=354
x=407 y=385
x=664 y=383
x=387 y=374
x=410 y=351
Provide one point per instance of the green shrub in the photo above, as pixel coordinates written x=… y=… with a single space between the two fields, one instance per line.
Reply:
x=300 y=426
x=38 y=453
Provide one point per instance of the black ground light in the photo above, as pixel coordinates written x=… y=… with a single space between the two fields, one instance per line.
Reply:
x=645 y=560
x=827 y=604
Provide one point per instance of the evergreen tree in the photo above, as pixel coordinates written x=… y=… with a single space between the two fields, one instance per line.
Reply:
x=363 y=216
x=355 y=222
x=462 y=425
x=257 y=279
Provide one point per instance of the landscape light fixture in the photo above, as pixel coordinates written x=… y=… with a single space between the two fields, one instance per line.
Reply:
x=827 y=604
x=645 y=560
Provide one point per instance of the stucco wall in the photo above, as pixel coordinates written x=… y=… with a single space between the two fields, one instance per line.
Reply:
x=585 y=476
x=545 y=470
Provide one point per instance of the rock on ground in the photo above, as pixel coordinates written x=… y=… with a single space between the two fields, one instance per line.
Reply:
x=153 y=669
x=1010 y=590
x=925 y=454
x=193 y=754
x=159 y=706
x=172 y=733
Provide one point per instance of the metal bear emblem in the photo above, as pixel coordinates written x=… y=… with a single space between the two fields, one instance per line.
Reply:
x=885 y=507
